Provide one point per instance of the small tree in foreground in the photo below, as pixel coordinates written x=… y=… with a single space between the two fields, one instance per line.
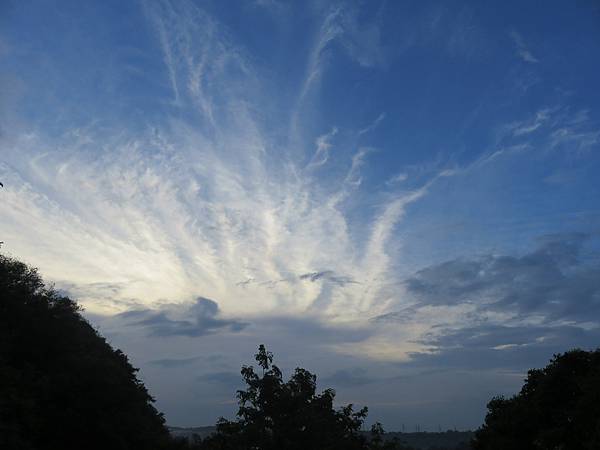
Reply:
x=278 y=415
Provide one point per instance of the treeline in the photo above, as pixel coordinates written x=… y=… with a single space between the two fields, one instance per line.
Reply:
x=62 y=386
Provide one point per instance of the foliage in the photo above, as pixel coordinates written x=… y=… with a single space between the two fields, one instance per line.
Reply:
x=278 y=415
x=557 y=408
x=62 y=385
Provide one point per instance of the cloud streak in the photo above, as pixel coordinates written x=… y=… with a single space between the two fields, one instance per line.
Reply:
x=523 y=51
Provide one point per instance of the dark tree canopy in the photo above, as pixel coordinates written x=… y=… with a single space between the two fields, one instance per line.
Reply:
x=62 y=386
x=557 y=408
x=278 y=415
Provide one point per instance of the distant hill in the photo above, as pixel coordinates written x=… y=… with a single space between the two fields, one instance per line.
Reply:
x=447 y=440
x=429 y=440
x=188 y=433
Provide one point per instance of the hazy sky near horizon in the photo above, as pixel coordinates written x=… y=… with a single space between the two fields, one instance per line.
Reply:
x=402 y=197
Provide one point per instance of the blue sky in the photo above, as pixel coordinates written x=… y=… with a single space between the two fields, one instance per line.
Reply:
x=399 y=196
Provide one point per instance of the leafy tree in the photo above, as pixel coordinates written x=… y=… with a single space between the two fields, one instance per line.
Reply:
x=62 y=386
x=278 y=415
x=557 y=408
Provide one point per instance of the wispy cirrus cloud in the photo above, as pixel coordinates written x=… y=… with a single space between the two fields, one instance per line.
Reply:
x=339 y=25
x=560 y=127
x=145 y=216
x=522 y=49
x=380 y=118
x=321 y=154
x=541 y=117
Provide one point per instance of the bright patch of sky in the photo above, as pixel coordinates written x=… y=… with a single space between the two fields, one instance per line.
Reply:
x=400 y=196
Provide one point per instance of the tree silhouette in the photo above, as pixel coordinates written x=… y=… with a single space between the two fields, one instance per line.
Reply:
x=278 y=415
x=62 y=386
x=557 y=408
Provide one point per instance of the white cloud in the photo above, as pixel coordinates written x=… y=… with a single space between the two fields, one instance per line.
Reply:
x=373 y=125
x=330 y=29
x=522 y=49
x=540 y=118
x=398 y=178
x=201 y=60
x=323 y=144
x=361 y=42
x=573 y=131
x=124 y=217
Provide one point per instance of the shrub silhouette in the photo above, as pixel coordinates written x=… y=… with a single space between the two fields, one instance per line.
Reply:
x=557 y=408
x=62 y=385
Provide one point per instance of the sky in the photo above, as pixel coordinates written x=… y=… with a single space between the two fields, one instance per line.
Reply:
x=399 y=196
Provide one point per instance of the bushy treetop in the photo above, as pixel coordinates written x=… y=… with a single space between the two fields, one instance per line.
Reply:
x=557 y=408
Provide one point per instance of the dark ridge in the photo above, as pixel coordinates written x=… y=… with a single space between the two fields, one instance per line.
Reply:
x=62 y=386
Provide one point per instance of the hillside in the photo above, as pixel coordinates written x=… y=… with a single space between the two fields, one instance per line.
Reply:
x=62 y=386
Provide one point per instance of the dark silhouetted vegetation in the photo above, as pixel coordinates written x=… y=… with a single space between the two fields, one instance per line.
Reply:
x=557 y=408
x=62 y=386
x=278 y=415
